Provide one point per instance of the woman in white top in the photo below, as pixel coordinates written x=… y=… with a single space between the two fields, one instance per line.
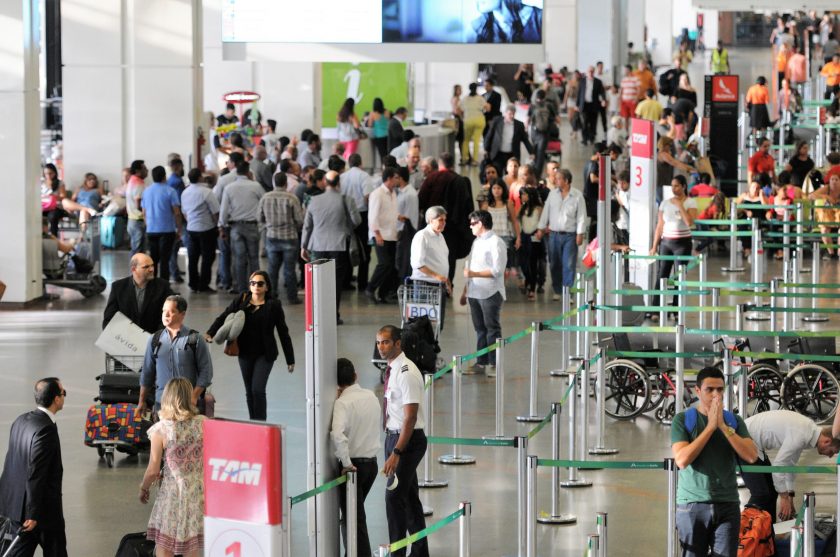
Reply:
x=673 y=231
x=472 y=107
x=505 y=223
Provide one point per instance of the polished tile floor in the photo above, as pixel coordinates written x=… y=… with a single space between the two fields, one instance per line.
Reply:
x=101 y=504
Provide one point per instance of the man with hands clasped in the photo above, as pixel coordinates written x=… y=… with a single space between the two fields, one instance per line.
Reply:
x=706 y=441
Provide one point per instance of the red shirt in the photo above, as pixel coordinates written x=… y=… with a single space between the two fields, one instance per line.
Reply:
x=831 y=172
x=761 y=163
x=703 y=190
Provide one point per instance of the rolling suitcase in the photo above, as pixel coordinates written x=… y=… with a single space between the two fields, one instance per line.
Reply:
x=136 y=545
x=115 y=427
x=112 y=231
x=119 y=387
x=9 y=536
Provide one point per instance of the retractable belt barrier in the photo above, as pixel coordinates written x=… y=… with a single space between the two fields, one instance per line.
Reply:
x=463 y=514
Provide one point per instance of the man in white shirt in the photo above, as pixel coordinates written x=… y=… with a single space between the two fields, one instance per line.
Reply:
x=790 y=433
x=564 y=218
x=405 y=441
x=382 y=229
x=357 y=184
x=355 y=433
x=485 y=286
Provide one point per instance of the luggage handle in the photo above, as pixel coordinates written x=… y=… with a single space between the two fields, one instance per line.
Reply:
x=14 y=542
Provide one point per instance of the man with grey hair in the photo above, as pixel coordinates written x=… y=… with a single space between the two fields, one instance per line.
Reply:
x=261 y=168
x=175 y=351
x=505 y=137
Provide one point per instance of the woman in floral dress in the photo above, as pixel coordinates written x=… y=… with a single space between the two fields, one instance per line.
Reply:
x=177 y=521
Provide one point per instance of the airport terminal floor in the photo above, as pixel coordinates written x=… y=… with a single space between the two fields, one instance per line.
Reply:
x=101 y=504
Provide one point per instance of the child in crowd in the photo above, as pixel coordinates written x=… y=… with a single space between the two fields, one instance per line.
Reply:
x=703 y=187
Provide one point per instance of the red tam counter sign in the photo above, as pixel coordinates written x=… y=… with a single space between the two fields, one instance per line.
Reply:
x=725 y=88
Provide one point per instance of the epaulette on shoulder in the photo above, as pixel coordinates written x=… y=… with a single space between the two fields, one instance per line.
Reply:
x=404 y=368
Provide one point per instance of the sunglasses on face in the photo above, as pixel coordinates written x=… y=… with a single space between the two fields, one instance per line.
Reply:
x=63 y=393
x=259 y=283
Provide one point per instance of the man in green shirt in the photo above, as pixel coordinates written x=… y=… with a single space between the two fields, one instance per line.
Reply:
x=706 y=441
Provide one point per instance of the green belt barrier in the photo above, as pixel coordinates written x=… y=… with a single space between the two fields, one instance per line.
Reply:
x=479 y=353
x=766 y=309
x=674 y=309
x=781 y=334
x=803 y=235
x=521 y=334
x=780 y=146
x=662 y=257
x=590 y=272
x=639 y=354
x=541 y=425
x=595 y=329
x=772 y=245
x=491 y=442
x=442 y=371
x=802 y=223
x=320 y=489
x=425 y=532
x=720 y=284
x=597 y=465
x=791 y=357
x=720 y=234
x=571 y=313
x=816 y=102
x=692 y=264
x=662 y=292
x=826 y=285
x=762 y=206
x=789 y=469
x=720 y=222
x=819 y=295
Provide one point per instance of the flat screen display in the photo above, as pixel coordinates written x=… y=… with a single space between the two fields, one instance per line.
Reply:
x=383 y=21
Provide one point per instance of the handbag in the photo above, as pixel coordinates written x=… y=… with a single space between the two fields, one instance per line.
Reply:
x=231 y=348
x=362 y=134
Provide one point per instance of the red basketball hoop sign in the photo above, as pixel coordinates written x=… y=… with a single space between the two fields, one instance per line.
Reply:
x=241 y=97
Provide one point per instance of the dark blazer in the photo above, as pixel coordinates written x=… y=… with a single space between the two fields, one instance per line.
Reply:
x=122 y=299
x=30 y=487
x=494 y=99
x=275 y=319
x=493 y=139
x=395 y=133
x=454 y=193
x=598 y=93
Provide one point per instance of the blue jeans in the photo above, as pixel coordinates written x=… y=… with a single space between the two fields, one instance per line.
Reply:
x=562 y=259
x=223 y=280
x=285 y=253
x=137 y=234
x=245 y=245
x=704 y=526
x=485 y=317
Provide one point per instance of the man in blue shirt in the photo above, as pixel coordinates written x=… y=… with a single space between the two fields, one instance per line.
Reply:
x=175 y=351
x=162 y=213
x=176 y=181
x=201 y=211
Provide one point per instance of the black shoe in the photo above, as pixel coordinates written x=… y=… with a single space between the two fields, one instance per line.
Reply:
x=177 y=280
x=294 y=301
x=207 y=290
x=540 y=289
x=371 y=295
x=339 y=321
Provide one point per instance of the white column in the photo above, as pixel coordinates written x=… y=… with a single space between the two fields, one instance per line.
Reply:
x=20 y=215
x=561 y=33
x=597 y=36
x=132 y=83
x=635 y=25
x=659 y=22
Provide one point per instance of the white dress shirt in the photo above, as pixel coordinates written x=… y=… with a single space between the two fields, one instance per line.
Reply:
x=48 y=413
x=507 y=138
x=354 y=184
x=564 y=214
x=405 y=386
x=488 y=253
x=429 y=249
x=356 y=420
x=790 y=433
x=383 y=213
x=587 y=95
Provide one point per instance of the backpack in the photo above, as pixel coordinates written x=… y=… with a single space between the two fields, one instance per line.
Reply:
x=542 y=118
x=192 y=342
x=691 y=419
x=755 y=537
x=419 y=343
x=667 y=81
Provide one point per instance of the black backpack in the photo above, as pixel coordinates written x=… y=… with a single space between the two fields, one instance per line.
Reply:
x=419 y=343
x=192 y=342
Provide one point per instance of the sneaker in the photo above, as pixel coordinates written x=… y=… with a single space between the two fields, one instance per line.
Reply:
x=490 y=371
x=540 y=289
x=555 y=297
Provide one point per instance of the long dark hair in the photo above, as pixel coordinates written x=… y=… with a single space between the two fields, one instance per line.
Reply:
x=346 y=110
x=378 y=105
x=264 y=276
x=491 y=199
x=534 y=201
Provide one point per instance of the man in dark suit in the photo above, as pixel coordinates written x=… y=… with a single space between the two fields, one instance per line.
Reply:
x=140 y=296
x=30 y=487
x=493 y=103
x=395 y=128
x=453 y=192
x=504 y=140
x=591 y=97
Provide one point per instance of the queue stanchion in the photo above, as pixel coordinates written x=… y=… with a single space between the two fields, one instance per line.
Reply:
x=743 y=398
x=456 y=457
x=384 y=550
x=663 y=300
x=681 y=299
x=500 y=389
x=531 y=504
x=795 y=537
x=564 y=337
x=464 y=530
x=601 y=525
x=815 y=279
x=757 y=272
x=592 y=545
x=579 y=301
x=429 y=481
x=574 y=479
x=726 y=356
x=350 y=515
x=703 y=272
x=521 y=443
x=774 y=289
x=680 y=370
x=716 y=303
x=585 y=386
x=786 y=278
x=671 y=468
x=600 y=447
x=739 y=317
x=795 y=270
x=534 y=377
x=801 y=217
x=808 y=501
x=287 y=515
x=556 y=517
x=618 y=282
x=733 y=237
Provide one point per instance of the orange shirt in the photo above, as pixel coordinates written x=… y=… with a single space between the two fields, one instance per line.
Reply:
x=761 y=163
x=646 y=81
x=782 y=60
x=831 y=71
x=757 y=94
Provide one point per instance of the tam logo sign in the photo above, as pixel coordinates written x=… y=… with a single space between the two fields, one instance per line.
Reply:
x=235 y=471
x=640 y=138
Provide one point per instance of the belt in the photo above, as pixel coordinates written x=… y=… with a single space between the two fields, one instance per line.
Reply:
x=364 y=458
x=397 y=431
x=242 y=222
x=561 y=232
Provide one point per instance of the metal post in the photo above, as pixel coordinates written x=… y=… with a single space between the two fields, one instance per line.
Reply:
x=726 y=355
x=464 y=529
x=565 y=349
x=556 y=516
x=579 y=301
x=287 y=516
x=531 y=534
x=384 y=550
x=800 y=228
x=535 y=362
x=671 y=468
x=683 y=276
x=592 y=545
x=601 y=525
x=815 y=279
x=456 y=457
x=774 y=288
x=500 y=388
x=600 y=447
x=743 y=399
x=618 y=282
x=796 y=538
x=733 y=238
x=583 y=448
x=521 y=443
x=703 y=271
x=786 y=274
x=757 y=272
x=350 y=515
x=808 y=501
x=716 y=303
x=663 y=301
x=574 y=480
x=605 y=239
x=796 y=264
x=680 y=370
x=428 y=480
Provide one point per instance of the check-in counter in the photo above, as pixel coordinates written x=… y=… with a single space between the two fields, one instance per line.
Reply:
x=434 y=140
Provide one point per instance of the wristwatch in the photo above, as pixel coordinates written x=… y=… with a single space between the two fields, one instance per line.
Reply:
x=730 y=431
x=398 y=452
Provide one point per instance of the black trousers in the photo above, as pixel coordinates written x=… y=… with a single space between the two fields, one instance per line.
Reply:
x=402 y=505
x=160 y=250
x=201 y=247
x=255 y=371
x=763 y=493
x=540 y=147
x=361 y=233
x=404 y=252
x=341 y=272
x=366 y=470
x=384 y=277
x=590 y=122
x=675 y=246
x=53 y=542
x=381 y=145
x=500 y=161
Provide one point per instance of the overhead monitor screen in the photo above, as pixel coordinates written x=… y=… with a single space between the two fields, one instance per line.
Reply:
x=383 y=21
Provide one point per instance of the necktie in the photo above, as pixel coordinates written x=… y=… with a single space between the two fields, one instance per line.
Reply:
x=385 y=398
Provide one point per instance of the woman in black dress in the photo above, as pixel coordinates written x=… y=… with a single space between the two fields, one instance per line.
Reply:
x=257 y=346
x=800 y=164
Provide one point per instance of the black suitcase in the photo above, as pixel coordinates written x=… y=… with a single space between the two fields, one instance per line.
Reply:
x=136 y=545
x=119 y=387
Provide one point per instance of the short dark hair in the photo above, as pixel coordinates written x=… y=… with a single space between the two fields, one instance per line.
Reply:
x=46 y=390
x=389 y=160
x=136 y=166
x=236 y=157
x=484 y=217
x=650 y=93
x=389 y=172
x=708 y=373
x=567 y=174
x=180 y=302
x=705 y=178
x=314 y=138
x=407 y=135
x=447 y=160
x=242 y=168
x=280 y=180
x=680 y=179
x=336 y=163
x=272 y=124
x=401 y=110
x=229 y=106
x=489 y=81
x=624 y=176
x=176 y=162
x=285 y=165
x=403 y=172
x=393 y=330
x=540 y=94
x=345 y=372
x=158 y=174
x=195 y=175
x=354 y=160
x=615 y=148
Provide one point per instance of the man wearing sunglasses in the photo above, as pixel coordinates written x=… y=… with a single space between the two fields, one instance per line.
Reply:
x=30 y=487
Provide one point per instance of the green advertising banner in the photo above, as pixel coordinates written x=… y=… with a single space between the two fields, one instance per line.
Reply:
x=363 y=83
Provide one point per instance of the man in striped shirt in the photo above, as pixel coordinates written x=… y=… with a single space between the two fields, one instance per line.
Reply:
x=629 y=94
x=281 y=215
